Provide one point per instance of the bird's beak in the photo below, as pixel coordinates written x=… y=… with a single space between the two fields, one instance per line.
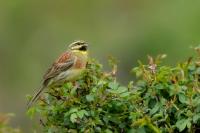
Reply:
x=85 y=45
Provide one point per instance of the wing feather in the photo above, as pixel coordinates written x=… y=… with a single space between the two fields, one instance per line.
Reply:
x=65 y=62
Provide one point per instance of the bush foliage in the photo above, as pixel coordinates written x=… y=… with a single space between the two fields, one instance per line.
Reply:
x=162 y=99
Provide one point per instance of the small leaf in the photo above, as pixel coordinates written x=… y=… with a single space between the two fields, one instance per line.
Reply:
x=108 y=131
x=189 y=124
x=182 y=98
x=125 y=94
x=73 y=110
x=73 y=117
x=157 y=116
x=28 y=97
x=198 y=71
x=82 y=113
x=31 y=112
x=196 y=117
x=155 y=109
x=138 y=71
x=181 y=124
x=159 y=86
x=90 y=98
x=196 y=101
x=68 y=85
x=113 y=85
x=94 y=89
x=73 y=91
x=122 y=89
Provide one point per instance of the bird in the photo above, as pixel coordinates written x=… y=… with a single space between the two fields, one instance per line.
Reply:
x=66 y=68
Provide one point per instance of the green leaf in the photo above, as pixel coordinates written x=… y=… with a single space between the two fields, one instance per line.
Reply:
x=31 y=112
x=196 y=118
x=184 y=88
x=68 y=85
x=108 y=131
x=125 y=94
x=155 y=109
x=196 y=101
x=183 y=98
x=73 y=117
x=94 y=89
x=73 y=110
x=90 y=98
x=29 y=97
x=138 y=71
x=157 y=116
x=138 y=130
x=198 y=71
x=119 y=90
x=172 y=90
x=141 y=83
x=159 y=86
x=73 y=91
x=189 y=124
x=122 y=89
x=82 y=113
x=113 y=85
x=181 y=124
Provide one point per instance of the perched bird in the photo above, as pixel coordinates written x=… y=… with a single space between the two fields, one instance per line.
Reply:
x=67 y=68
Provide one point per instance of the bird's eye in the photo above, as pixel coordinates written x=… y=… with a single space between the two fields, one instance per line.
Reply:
x=78 y=44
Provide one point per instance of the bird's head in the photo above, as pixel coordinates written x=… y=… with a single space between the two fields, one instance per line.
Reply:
x=79 y=46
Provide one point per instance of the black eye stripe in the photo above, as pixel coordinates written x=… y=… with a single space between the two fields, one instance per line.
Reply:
x=83 y=48
x=76 y=44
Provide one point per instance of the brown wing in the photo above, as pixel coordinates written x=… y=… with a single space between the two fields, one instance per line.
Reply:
x=64 y=62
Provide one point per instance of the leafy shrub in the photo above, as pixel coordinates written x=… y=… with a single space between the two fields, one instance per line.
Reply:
x=162 y=99
x=4 y=128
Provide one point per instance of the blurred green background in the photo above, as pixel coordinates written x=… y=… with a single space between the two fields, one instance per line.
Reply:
x=34 y=32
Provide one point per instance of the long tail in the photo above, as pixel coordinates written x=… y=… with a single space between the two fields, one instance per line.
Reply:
x=35 y=97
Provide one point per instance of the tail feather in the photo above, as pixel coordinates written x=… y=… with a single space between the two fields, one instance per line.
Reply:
x=35 y=97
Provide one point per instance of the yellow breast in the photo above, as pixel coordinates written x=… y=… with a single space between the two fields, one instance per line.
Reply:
x=74 y=74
